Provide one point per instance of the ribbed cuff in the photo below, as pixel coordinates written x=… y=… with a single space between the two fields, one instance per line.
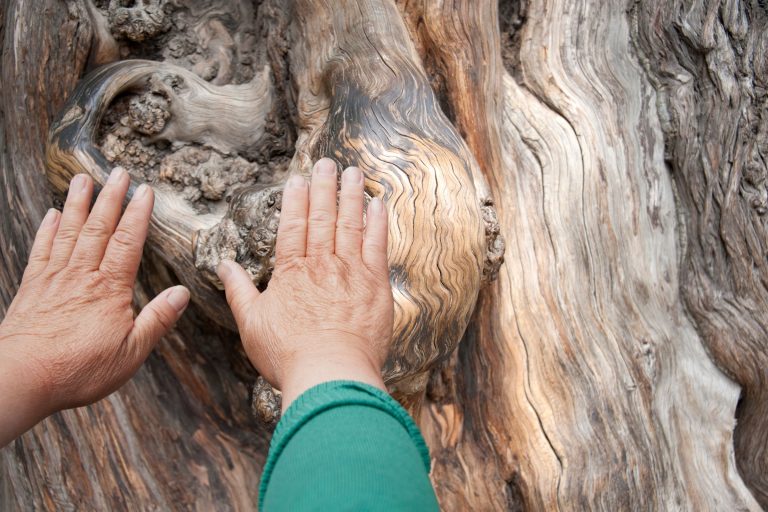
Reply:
x=326 y=396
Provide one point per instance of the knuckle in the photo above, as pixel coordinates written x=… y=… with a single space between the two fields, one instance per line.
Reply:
x=321 y=246
x=321 y=216
x=38 y=268
x=110 y=193
x=47 y=274
x=237 y=302
x=97 y=227
x=155 y=323
x=238 y=299
x=164 y=318
x=124 y=239
x=351 y=197
x=285 y=263
x=36 y=260
x=109 y=276
x=349 y=224
x=293 y=224
x=287 y=245
x=68 y=233
x=376 y=247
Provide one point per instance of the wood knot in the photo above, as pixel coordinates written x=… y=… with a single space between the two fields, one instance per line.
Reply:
x=266 y=402
x=247 y=235
x=494 y=242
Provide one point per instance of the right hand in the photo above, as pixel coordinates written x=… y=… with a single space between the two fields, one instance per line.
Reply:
x=327 y=313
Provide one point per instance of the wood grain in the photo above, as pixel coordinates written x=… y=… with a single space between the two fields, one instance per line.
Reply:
x=618 y=363
x=708 y=63
x=364 y=99
x=583 y=343
x=239 y=112
x=180 y=435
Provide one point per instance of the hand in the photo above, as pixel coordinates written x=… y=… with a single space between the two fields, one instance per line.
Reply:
x=69 y=336
x=328 y=311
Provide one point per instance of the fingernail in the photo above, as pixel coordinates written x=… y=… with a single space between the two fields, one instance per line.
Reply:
x=223 y=270
x=325 y=167
x=50 y=217
x=376 y=205
x=141 y=191
x=352 y=175
x=116 y=175
x=77 y=185
x=178 y=298
x=296 y=181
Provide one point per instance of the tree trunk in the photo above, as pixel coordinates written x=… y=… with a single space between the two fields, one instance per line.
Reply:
x=617 y=360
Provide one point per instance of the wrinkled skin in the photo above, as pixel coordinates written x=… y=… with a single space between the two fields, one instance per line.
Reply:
x=328 y=310
x=69 y=337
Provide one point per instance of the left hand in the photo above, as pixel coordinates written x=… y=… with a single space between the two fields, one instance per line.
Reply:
x=69 y=337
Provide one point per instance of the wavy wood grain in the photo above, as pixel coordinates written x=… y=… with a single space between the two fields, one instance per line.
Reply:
x=239 y=111
x=602 y=371
x=707 y=60
x=180 y=435
x=583 y=342
x=364 y=99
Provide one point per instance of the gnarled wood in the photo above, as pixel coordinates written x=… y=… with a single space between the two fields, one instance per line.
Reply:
x=708 y=63
x=388 y=123
x=180 y=434
x=611 y=364
x=363 y=98
x=590 y=355
x=239 y=110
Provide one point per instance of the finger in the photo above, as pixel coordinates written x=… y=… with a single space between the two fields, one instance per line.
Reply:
x=240 y=291
x=41 y=247
x=123 y=252
x=349 y=224
x=72 y=220
x=156 y=319
x=375 y=238
x=94 y=237
x=292 y=231
x=321 y=224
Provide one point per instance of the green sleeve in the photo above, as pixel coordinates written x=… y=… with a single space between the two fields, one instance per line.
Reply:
x=345 y=445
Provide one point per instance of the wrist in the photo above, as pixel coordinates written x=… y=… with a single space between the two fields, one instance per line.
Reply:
x=23 y=381
x=309 y=369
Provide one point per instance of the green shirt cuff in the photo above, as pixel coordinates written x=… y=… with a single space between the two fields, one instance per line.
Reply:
x=324 y=397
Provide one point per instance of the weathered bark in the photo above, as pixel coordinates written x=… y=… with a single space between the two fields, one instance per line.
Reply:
x=619 y=360
x=180 y=434
x=365 y=100
x=708 y=60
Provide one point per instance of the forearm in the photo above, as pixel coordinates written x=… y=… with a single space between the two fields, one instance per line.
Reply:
x=345 y=445
x=22 y=395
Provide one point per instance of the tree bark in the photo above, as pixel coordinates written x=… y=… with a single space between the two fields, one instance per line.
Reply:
x=618 y=361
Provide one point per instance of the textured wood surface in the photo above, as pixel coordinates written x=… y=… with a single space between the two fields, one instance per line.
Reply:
x=708 y=62
x=619 y=361
x=239 y=111
x=365 y=100
x=583 y=340
x=180 y=435
x=413 y=157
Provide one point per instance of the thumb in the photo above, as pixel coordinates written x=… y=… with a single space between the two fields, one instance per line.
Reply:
x=157 y=318
x=239 y=289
